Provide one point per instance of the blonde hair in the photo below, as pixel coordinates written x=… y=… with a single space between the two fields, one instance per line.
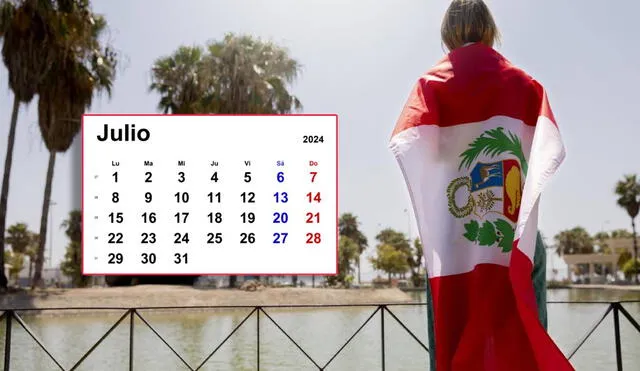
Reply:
x=468 y=21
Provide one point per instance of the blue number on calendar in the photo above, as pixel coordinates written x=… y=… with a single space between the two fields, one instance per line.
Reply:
x=280 y=177
x=280 y=237
x=281 y=197
x=280 y=217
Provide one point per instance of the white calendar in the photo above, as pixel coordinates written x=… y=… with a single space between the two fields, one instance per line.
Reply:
x=210 y=194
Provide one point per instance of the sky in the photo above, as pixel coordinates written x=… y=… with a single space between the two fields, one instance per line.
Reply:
x=360 y=59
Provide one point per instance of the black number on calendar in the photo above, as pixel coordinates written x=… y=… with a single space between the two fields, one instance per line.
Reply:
x=217 y=217
x=214 y=177
x=115 y=177
x=313 y=238
x=115 y=258
x=248 y=217
x=147 y=177
x=281 y=197
x=313 y=218
x=149 y=217
x=115 y=238
x=181 y=217
x=248 y=197
x=147 y=197
x=312 y=139
x=247 y=176
x=181 y=238
x=280 y=237
x=214 y=237
x=181 y=177
x=216 y=196
x=247 y=238
x=148 y=258
x=116 y=217
x=180 y=258
x=148 y=238
x=115 y=197
x=182 y=197
x=280 y=217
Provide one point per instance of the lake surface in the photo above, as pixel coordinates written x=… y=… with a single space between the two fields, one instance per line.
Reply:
x=320 y=332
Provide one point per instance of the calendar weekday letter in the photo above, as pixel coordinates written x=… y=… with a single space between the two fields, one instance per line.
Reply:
x=209 y=194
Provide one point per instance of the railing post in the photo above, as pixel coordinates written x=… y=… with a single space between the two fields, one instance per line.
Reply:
x=131 y=339
x=7 y=340
x=382 y=308
x=258 y=337
x=616 y=328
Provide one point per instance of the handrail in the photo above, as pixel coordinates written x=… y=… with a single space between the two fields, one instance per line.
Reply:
x=11 y=315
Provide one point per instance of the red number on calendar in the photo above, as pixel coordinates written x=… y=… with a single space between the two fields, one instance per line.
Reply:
x=311 y=217
x=313 y=238
x=313 y=176
x=313 y=197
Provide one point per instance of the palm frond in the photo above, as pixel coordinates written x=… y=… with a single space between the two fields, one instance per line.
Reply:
x=492 y=143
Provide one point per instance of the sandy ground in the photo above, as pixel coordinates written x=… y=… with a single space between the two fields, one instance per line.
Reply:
x=168 y=296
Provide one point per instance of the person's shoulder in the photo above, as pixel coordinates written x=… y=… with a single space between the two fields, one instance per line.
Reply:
x=523 y=77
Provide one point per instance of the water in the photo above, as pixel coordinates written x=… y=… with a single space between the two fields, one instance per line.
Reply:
x=320 y=332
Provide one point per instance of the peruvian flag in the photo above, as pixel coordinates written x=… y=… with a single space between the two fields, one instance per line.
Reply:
x=477 y=143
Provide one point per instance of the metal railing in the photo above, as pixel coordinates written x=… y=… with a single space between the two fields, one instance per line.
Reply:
x=11 y=316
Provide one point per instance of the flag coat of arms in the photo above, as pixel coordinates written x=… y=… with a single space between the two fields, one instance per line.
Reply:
x=477 y=143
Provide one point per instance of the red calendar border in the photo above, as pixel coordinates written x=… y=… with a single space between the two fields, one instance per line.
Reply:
x=208 y=274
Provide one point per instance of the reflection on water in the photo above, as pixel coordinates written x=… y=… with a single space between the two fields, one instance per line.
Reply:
x=320 y=332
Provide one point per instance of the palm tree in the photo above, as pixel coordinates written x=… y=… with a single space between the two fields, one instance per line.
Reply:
x=24 y=28
x=179 y=80
x=238 y=75
x=628 y=192
x=348 y=226
x=574 y=241
x=247 y=75
x=18 y=237
x=81 y=67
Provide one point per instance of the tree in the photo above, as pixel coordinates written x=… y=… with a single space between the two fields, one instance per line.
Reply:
x=32 y=252
x=630 y=269
x=72 y=264
x=390 y=260
x=400 y=242
x=348 y=226
x=417 y=277
x=18 y=237
x=347 y=253
x=574 y=241
x=16 y=261
x=81 y=66
x=394 y=254
x=24 y=28
x=628 y=192
x=179 y=79
x=237 y=75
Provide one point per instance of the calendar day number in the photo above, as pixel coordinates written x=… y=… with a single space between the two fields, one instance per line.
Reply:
x=312 y=139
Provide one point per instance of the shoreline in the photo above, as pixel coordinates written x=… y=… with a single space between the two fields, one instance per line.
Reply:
x=160 y=297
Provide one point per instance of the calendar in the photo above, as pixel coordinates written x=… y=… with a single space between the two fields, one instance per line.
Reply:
x=209 y=194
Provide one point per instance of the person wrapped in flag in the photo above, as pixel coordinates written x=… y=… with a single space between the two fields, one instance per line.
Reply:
x=477 y=143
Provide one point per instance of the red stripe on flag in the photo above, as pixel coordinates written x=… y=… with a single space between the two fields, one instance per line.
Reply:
x=479 y=323
x=473 y=84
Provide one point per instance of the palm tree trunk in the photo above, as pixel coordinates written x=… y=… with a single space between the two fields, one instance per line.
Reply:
x=358 y=262
x=313 y=281
x=4 y=195
x=635 y=251
x=37 y=277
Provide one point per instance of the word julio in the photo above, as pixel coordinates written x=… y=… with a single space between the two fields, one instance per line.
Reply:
x=126 y=134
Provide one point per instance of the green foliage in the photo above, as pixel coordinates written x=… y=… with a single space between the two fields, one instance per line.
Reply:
x=72 y=264
x=18 y=237
x=492 y=143
x=628 y=192
x=239 y=74
x=630 y=269
x=574 y=241
x=390 y=259
x=490 y=233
